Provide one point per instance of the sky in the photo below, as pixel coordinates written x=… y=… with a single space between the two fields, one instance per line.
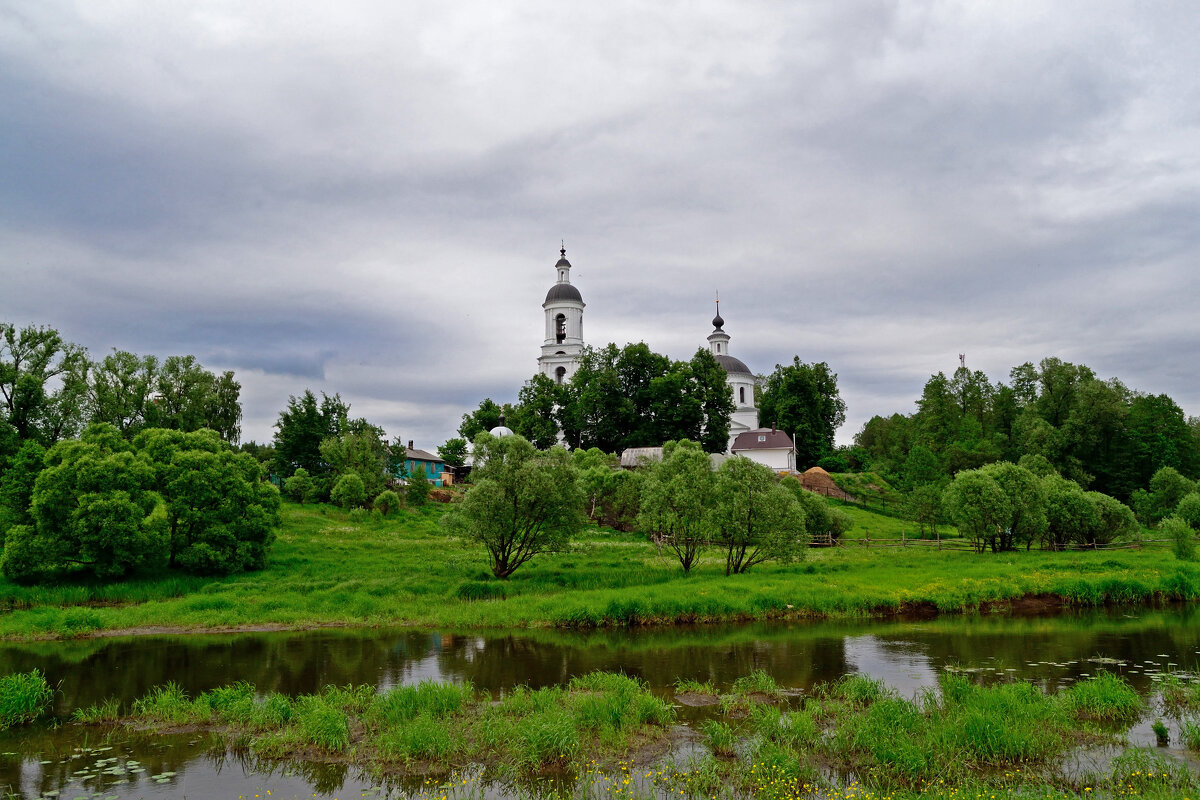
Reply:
x=368 y=197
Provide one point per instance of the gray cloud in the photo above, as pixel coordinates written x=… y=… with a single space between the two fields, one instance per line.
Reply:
x=367 y=199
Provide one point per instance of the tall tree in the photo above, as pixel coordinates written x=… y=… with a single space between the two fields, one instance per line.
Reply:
x=482 y=419
x=188 y=397
x=677 y=502
x=535 y=414
x=121 y=391
x=802 y=399
x=301 y=428
x=43 y=383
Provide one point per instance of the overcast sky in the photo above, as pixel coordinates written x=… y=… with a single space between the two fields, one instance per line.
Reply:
x=368 y=197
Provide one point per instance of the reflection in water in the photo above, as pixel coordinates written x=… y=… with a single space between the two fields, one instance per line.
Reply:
x=909 y=656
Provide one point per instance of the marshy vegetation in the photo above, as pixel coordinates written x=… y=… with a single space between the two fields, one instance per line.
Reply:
x=604 y=733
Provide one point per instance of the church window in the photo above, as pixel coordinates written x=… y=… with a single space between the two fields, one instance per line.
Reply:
x=560 y=328
x=742 y=395
x=559 y=374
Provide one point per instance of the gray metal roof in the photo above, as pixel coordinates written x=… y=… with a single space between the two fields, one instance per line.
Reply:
x=423 y=455
x=732 y=365
x=772 y=440
x=563 y=291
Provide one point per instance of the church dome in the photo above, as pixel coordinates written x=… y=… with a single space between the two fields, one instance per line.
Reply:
x=733 y=365
x=563 y=291
x=718 y=323
x=562 y=262
x=501 y=429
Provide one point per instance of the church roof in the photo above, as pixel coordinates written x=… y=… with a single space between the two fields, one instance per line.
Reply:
x=732 y=365
x=563 y=291
x=762 y=439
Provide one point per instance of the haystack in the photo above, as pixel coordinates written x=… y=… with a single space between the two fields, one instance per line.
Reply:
x=818 y=480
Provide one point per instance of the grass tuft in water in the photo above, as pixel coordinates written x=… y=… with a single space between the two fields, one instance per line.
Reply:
x=24 y=696
x=1105 y=697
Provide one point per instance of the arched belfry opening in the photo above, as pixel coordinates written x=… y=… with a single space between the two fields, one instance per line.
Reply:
x=560 y=374
x=560 y=328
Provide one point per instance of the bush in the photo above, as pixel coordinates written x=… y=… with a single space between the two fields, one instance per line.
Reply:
x=349 y=491
x=24 y=696
x=1188 y=510
x=300 y=486
x=1183 y=543
x=387 y=502
x=418 y=487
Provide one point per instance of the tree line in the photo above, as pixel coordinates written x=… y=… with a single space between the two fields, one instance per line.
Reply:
x=1097 y=433
x=124 y=463
x=623 y=397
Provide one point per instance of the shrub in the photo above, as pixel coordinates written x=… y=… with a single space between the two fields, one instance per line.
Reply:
x=299 y=486
x=1188 y=510
x=1183 y=542
x=24 y=696
x=349 y=491
x=387 y=502
x=418 y=487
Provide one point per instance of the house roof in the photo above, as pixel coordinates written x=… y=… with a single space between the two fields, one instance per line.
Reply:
x=762 y=439
x=423 y=455
x=639 y=456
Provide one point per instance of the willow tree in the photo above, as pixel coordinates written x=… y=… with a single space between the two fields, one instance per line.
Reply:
x=523 y=502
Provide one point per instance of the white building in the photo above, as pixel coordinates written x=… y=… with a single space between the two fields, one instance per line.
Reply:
x=564 y=326
x=769 y=447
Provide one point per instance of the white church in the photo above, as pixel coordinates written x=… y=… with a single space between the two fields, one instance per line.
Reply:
x=564 y=344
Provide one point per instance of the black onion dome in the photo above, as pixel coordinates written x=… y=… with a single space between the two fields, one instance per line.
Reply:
x=718 y=322
x=732 y=365
x=563 y=291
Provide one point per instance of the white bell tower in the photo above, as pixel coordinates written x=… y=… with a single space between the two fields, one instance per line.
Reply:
x=564 y=326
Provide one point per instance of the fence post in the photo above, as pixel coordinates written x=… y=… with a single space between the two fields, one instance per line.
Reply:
x=903 y=539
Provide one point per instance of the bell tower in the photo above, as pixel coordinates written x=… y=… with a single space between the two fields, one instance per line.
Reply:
x=563 y=308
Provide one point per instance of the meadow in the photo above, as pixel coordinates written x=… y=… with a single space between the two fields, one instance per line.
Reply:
x=333 y=568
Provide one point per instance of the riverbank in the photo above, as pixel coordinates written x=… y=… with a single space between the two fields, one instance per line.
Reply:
x=328 y=570
x=607 y=734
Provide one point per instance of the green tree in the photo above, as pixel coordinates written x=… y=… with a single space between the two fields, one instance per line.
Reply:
x=921 y=468
x=803 y=400
x=924 y=507
x=1114 y=520
x=1188 y=510
x=43 y=383
x=348 y=491
x=1167 y=488
x=188 y=397
x=300 y=486
x=710 y=385
x=16 y=486
x=301 y=428
x=523 y=502
x=1026 y=520
x=535 y=414
x=979 y=507
x=677 y=502
x=820 y=518
x=454 y=452
x=482 y=419
x=121 y=391
x=221 y=514
x=418 y=487
x=1071 y=515
x=754 y=518
x=361 y=448
x=94 y=512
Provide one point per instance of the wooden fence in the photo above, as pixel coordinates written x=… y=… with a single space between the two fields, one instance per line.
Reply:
x=825 y=540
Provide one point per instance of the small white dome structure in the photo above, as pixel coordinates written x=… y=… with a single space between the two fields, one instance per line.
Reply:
x=501 y=429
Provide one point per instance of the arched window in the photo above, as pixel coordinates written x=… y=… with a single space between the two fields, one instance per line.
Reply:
x=559 y=374
x=742 y=395
x=560 y=328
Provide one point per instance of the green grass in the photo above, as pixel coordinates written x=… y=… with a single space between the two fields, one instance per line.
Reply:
x=24 y=696
x=403 y=570
x=963 y=740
